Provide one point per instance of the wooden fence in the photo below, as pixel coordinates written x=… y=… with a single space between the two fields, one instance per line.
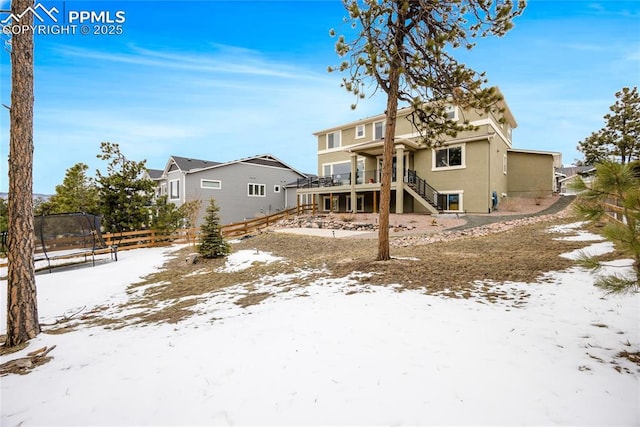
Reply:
x=616 y=212
x=152 y=238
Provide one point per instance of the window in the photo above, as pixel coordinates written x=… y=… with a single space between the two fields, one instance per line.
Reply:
x=359 y=203
x=449 y=157
x=359 y=131
x=276 y=188
x=504 y=164
x=331 y=203
x=210 y=184
x=163 y=189
x=333 y=140
x=378 y=130
x=306 y=199
x=257 y=190
x=450 y=202
x=341 y=172
x=174 y=189
x=451 y=112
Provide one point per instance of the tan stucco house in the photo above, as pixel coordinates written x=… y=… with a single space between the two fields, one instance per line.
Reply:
x=470 y=173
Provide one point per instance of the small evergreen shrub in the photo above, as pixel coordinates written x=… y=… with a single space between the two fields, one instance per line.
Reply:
x=212 y=244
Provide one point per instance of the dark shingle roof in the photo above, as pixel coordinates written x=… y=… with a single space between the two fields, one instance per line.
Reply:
x=155 y=173
x=187 y=164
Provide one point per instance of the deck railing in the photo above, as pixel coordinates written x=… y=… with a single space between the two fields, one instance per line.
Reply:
x=362 y=177
x=421 y=187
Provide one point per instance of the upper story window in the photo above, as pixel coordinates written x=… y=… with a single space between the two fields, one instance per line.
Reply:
x=333 y=140
x=256 y=190
x=451 y=112
x=174 y=189
x=210 y=184
x=378 y=130
x=449 y=157
x=359 y=131
x=163 y=189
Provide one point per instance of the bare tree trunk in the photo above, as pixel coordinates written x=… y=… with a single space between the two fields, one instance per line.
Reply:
x=387 y=165
x=389 y=135
x=22 y=310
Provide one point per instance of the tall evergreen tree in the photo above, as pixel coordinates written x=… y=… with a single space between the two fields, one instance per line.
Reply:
x=22 y=307
x=77 y=193
x=212 y=244
x=620 y=138
x=618 y=185
x=124 y=195
x=405 y=48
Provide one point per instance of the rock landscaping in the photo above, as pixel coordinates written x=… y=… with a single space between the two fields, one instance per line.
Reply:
x=336 y=223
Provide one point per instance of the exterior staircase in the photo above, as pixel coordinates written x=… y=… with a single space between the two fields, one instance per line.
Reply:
x=425 y=194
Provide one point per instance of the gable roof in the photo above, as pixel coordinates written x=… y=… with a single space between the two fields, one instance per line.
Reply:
x=190 y=165
x=155 y=173
x=187 y=164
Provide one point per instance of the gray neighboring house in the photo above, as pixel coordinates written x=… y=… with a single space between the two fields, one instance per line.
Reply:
x=243 y=189
x=567 y=176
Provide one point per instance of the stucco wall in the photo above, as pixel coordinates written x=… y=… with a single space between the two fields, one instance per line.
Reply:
x=530 y=174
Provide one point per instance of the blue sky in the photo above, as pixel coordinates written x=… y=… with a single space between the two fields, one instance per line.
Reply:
x=220 y=80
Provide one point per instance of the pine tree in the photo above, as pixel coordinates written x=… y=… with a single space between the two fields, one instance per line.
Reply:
x=616 y=185
x=212 y=244
x=167 y=217
x=125 y=197
x=620 y=138
x=77 y=193
x=404 y=47
x=22 y=303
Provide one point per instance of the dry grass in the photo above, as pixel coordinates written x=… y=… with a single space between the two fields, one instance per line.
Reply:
x=523 y=255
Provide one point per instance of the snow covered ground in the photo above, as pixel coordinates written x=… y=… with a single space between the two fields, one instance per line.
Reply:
x=324 y=355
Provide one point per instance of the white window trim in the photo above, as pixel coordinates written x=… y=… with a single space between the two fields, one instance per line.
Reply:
x=460 y=193
x=276 y=188
x=364 y=131
x=339 y=146
x=336 y=205
x=373 y=134
x=463 y=164
x=171 y=187
x=256 y=185
x=455 y=112
x=504 y=164
x=219 y=187
x=163 y=188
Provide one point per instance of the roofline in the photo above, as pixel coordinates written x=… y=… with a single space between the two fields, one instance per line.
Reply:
x=525 y=151
x=244 y=160
x=382 y=116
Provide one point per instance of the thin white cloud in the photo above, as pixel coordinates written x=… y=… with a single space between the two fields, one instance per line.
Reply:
x=228 y=59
